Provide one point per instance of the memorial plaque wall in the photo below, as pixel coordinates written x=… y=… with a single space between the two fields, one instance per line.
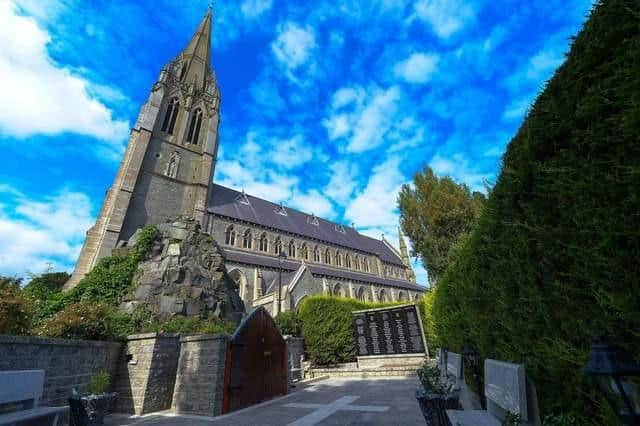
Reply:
x=388 y=331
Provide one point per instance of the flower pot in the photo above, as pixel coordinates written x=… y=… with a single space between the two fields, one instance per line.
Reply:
x=434 y=406
x=90 y=410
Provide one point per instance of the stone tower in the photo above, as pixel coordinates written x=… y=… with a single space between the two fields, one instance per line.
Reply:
x=404 y=253
x=167 y=168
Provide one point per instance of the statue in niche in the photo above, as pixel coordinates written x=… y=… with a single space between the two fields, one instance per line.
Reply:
x=172 y=165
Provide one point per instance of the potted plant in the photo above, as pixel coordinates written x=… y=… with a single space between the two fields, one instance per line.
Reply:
x=90 y=409
x=436 y=395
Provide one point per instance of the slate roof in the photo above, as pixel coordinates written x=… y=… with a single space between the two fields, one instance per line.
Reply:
x=290 y=266
x=227 y=202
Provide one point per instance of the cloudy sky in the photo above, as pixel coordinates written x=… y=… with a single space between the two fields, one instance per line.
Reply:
x=327 y=106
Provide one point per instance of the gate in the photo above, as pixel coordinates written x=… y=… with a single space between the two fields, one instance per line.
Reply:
x=256 y=363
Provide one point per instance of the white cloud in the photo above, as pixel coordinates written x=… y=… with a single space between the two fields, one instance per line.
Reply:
x=253 y=9
x=517 y=109
x=446 y=17
x=343 y=181
x=293 y=45
x=290 y=153
x=417 y=68
x=313 y=202
x=40 y=96
x=536 y=70
x=376 y=205
x=457 y=166
x=364 y=124
x=43 y=231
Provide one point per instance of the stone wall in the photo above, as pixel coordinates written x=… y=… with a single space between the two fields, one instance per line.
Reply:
x=200 y=379
x=147 y=371
x=67 y=363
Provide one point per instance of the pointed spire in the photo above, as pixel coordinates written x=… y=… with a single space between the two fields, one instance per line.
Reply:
x=197 y=54
x=404 y=253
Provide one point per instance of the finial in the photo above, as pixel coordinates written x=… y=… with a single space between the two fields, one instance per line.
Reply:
x=210 y=6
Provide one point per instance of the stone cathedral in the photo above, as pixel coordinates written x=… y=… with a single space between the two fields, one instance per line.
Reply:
x=167 y=172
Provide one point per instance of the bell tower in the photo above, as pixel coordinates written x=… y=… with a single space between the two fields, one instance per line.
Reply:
x=168 y=165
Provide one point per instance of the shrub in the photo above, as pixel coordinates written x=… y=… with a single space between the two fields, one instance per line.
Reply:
x=15 y=309
x=45 y=285
x=45 y=294
x=431 y=379
x=327 y=327
x=79 y=321
x=99 y=383
x=288 y=323
x=553 y=261
x=192 y=325
x=425 y=305
x=110 y=280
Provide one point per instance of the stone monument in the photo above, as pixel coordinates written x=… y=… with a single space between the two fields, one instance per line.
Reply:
x=184 y=274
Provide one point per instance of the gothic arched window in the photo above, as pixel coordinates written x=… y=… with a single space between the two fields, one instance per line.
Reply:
x=361 y=294
x=172 y=164
x=401 y=296
x=365 y=264
x=305 y=252
x=347 y=261
x=383 y=296
x=170 y=116
x=327 y=257
x=247 y=240
x=194 y=126
x=292 y=248
x=277 y=246
x=316 y=254
x=338 y=259
x=337 y=290
x=263 y=242
x=356 y=261
x=230 y=236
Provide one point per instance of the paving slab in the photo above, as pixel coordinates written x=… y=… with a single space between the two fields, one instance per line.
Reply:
x=329 y=402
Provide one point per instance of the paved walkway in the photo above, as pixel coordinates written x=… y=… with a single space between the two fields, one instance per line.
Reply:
x=328 y=402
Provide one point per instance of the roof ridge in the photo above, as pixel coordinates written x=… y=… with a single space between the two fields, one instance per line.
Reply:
x=293 y=209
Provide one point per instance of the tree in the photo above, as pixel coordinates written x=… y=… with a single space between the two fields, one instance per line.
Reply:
x=435 y=213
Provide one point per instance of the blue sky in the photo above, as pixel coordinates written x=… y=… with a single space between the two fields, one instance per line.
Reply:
x=327 y=106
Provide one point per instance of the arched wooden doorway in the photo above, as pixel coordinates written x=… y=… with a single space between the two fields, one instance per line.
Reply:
x=256 y=363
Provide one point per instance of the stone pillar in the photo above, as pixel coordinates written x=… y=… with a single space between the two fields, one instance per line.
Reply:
x=352 y=292
x=199 y=384
x=257 y=284
x=147 y=373
x=325 y=286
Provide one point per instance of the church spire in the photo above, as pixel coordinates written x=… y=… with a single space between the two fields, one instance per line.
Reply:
x=197 y=54
x=404 y=253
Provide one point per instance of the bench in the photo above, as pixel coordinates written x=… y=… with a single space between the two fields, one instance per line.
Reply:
x=505 y=388
x=21 y=392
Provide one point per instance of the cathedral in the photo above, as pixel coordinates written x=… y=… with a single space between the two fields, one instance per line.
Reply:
x=277 y=255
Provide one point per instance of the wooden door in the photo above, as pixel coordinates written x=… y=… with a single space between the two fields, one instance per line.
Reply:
x=256 y=362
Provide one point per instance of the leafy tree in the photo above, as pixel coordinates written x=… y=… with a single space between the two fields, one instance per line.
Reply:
x=435 y=213
x=552 y=263
x=15 y=310
x=10 y=283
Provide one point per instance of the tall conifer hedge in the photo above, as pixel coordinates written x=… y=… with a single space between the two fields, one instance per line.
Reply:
x=554 y=262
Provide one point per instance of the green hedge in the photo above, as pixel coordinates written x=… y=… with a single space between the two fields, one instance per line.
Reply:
x=288 y=323
x=553 y=263
x=327 y=327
